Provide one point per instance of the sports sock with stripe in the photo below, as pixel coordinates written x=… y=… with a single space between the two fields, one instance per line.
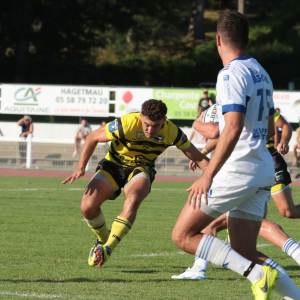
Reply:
x=219 y=253
x=292 y=249
x=98 y=226
x=199 y=264
x=284 y=285
x=119 y=229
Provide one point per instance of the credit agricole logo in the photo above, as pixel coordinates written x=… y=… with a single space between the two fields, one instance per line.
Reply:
x=27 y=96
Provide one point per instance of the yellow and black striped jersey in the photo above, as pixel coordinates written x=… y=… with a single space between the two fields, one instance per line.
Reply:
x=130 y=147
x=270 y=142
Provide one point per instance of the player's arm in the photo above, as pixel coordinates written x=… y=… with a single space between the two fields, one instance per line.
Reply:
x=209 y=130
x=234 y=122
x=95 y=137
x=271 y=127
x=192 y=153
x=210 y=146
x=283 y=144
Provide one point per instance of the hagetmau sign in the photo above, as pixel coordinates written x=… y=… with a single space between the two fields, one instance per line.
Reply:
x=54 y=100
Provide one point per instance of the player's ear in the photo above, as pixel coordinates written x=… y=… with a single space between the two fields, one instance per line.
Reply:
x=218 y=39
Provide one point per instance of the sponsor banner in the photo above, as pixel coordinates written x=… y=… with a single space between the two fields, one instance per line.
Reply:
x=54 y=100
x=289 y=104
x=181 y=103
x=131 y=99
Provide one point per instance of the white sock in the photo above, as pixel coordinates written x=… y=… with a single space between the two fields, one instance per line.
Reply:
x=219 y=253
x=96 y=222
x=199 y=264
x=285 y=286
x=292 y=249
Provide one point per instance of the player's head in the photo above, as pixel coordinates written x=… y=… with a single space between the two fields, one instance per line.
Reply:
x=153 y=117
x=84 y=122
x=233 y=28
x=278 y=109
x=205 y=93
x=103 y=123
x=27 y=119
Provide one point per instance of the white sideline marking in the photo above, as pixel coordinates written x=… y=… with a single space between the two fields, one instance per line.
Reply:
x=31 y=295
x=70 y=189
x=180 y=252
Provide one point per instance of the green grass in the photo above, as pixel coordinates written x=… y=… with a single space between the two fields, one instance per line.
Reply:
x=44 y=246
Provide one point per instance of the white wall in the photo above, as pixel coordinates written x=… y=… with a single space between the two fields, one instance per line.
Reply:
x=66 y=132
x=43 y=130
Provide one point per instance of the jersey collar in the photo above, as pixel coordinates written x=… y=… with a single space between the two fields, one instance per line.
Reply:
x=243 y=57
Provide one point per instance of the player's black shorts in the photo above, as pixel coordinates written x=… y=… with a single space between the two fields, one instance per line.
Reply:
x=117 y=177
x=282 y=176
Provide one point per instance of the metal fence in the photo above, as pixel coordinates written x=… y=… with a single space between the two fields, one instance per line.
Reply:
x=46 y=154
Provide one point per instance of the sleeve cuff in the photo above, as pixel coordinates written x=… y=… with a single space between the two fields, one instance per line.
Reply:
x=233 y=107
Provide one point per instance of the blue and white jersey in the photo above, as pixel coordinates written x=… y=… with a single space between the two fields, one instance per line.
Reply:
x=244 y=86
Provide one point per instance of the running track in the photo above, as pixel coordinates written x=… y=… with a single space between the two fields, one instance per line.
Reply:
x=89 y=175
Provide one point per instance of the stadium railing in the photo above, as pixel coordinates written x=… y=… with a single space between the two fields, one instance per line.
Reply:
x=55 y=154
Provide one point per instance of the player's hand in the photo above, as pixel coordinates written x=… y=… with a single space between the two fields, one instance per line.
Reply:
x=283 y=148
x=199 y=188
x=77 y=174
x=200 y=118
x=192 y=165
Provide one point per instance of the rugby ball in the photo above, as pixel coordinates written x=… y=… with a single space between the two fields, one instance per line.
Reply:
x=211 y=115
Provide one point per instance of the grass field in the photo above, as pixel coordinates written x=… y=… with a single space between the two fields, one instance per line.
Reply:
x=44 y=247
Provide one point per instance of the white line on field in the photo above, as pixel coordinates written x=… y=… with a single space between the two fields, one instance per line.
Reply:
x=31 y=295
x=180 y=252
x=69 y=189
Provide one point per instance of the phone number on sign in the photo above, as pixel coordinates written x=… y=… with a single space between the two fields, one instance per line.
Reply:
x=185 y=114
x=83 y=100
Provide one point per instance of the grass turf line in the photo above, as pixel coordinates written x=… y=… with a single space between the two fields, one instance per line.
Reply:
x=44 y=247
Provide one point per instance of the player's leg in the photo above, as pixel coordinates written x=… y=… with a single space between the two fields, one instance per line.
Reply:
x=76 y=145
x=284 y=285
x=295 y=155
x=198 y=270
x=281 y=191
x=94 y=195
x=135 y=193
x=187 y=236
x=136 y=190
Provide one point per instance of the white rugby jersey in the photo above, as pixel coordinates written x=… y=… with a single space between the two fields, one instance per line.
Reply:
x=244 y=86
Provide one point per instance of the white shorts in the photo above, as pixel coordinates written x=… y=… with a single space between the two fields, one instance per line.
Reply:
x=244 y=202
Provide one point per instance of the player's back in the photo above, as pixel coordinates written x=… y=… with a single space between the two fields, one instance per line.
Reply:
x=244 y=86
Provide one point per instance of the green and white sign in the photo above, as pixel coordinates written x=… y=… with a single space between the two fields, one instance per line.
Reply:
x=181 y=103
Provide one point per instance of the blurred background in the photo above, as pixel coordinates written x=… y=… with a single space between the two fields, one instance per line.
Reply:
x=63 y=52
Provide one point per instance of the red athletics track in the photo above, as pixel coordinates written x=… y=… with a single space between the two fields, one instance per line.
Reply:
x=89 y=175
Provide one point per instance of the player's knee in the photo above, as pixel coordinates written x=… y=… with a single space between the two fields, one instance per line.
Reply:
x=177 y=238
x=132 y=203
x=87 y=207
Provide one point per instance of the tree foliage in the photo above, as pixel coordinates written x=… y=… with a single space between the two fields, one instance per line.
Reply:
x=134 y=42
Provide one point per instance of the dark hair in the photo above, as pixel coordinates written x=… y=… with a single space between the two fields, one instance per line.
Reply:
x=84 y=119
x=233 y=27
x=154 y=110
